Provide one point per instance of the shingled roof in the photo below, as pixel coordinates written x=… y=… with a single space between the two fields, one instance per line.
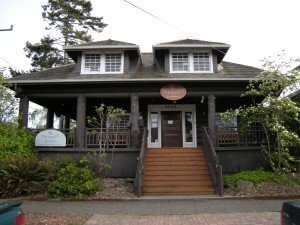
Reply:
x=191 y=42
x=147 y=72
x=99 y=44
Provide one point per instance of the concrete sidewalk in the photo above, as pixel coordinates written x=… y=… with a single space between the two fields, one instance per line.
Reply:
x=153 y=207
x=265 y=218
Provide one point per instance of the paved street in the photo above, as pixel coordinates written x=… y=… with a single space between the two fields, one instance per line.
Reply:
x=153 y=206
x=166 y=211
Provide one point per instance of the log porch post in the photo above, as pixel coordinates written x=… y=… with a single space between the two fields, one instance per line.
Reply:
x=23 y=111
x=50 y=118
x=212 y=117
x=80 y=121
x=135 y=130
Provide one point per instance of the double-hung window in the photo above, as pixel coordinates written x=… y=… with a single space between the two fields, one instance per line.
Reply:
x=113 y=62
x=180 y=62
x=92 y=62
x=191 y=62
x=101 y=63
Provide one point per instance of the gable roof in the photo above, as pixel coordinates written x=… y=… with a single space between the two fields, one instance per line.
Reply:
x=219 y=48
x=191 y=43
x=147 y=72
x=101 y=44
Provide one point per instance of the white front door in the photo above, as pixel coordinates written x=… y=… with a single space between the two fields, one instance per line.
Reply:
x=161 y=118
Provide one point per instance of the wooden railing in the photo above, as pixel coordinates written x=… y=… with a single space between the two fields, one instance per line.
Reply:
x=69 y=133
x=213 y=162
x=119 y=138
x=139 y=177
x=235 y=137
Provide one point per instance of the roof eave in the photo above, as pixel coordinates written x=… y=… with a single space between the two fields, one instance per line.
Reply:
x=95 y=47
x=128 y=80
x=190 y=46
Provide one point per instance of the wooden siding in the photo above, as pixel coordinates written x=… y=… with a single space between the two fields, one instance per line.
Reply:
x=167 y=62
x=215 y=63
x=126 y=62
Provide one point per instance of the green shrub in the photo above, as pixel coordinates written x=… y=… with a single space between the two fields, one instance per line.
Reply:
x=74 y=181
x=256 y=176
x=15 y=141
x=20 y=176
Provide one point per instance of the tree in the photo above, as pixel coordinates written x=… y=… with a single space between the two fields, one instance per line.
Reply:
x=8 y=103
x=73 y=20
x=106 y=122
x=43 y=54
x=278 y=116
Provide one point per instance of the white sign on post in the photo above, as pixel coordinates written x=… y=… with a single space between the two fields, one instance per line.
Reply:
x=50 y=138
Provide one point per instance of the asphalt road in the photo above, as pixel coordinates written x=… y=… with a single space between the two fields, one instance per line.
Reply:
x=153 y=206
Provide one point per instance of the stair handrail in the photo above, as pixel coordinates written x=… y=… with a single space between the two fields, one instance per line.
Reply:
x=139 y=178
x=213 y=162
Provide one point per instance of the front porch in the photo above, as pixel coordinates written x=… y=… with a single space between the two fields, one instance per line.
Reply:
x=145 y=108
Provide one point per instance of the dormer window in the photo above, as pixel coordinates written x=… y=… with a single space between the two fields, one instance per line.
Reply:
x=101 y=63
x=191 y=62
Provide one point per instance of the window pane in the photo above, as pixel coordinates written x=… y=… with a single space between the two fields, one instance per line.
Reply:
x=201 y=61
x=188 y=127
x=154 y=127
x=113 y=63
x=92 y=62
x=180 y=62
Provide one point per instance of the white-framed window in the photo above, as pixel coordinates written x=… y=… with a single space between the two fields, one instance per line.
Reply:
x=191 y=62
x=113 y=62
x=201 y=61
x=180 y=61
x=92 y=62
x=101 y=62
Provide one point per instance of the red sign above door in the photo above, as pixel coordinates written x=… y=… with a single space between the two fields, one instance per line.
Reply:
x=173 y=92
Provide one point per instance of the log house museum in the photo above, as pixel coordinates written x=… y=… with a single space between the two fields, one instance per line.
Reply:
x=171 y=139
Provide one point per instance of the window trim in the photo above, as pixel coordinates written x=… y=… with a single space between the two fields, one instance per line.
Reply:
x=191 y=61
x=102 y=62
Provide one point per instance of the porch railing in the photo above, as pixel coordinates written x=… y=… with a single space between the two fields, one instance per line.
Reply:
x=69 y=133
x=213 y=162
x=139 y=177
x=235 y=137
x=119 y=138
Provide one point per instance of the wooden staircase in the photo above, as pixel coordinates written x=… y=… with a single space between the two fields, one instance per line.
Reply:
x=177 y=171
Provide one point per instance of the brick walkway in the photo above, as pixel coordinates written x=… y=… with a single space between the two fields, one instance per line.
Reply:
x=253 y=218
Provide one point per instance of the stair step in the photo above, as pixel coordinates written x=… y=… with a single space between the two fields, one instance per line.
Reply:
x=179 y=193
x=173 y=189
x=172 y=172
x=174 y=150
x=177 y=171
x=177 y=167
x=175 y=155
x=178 y=163
x=175 y=159
x=176 y=177
x=177 y=183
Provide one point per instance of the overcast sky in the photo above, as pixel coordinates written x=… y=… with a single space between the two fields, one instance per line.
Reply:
x=254 y=28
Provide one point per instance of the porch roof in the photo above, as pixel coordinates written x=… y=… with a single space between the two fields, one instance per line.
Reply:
x=147 y=72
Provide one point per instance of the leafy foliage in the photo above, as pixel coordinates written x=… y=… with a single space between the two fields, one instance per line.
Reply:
x=278 y=116
x=43 y=54
x=20 y=176
x=106 y=121
x=8 y=103
x=73 y=19
x=256 y=176
x=74 y=181
x=15 y=141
